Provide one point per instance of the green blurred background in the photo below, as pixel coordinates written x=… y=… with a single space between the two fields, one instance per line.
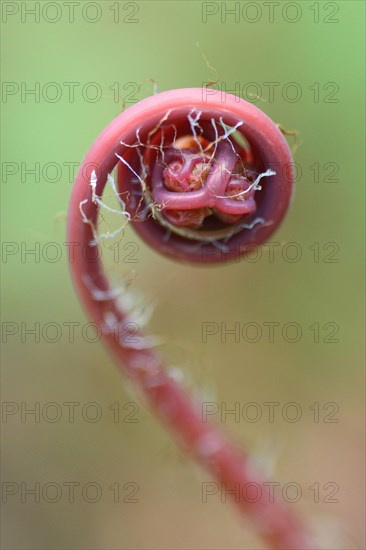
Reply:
x=325 y=45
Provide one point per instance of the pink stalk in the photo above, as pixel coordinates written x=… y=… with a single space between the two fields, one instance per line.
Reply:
x=177 y=145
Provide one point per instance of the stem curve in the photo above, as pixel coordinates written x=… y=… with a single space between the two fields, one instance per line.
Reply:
x=277 y=525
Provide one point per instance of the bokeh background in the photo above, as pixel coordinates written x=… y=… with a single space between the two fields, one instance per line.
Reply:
x=157 y=39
